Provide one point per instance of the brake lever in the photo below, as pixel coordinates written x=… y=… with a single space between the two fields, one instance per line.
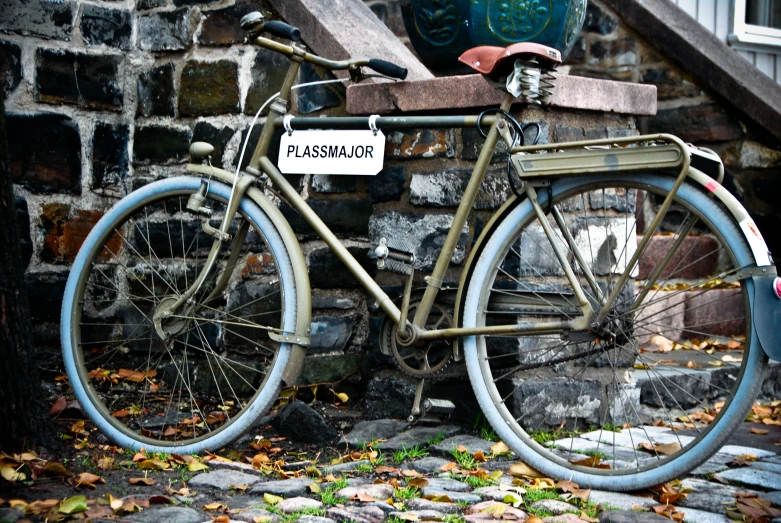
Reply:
x=357 y=75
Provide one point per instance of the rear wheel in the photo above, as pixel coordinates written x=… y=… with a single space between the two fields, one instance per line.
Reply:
x=657 y=389
x=196 y=377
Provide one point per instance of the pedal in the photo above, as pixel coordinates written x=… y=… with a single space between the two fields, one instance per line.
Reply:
x=394 y=266
x=439 y=407
x=395 y=256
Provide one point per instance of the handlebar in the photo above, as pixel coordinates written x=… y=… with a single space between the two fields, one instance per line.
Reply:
x=255 y=22
x=283 y=30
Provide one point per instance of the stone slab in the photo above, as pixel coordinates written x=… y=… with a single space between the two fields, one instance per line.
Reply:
x=619 y=501
x=753 y=477
x=454 y=496
x=331 y=34
x=286 y=487
x=428 y=465
x=418 y=436
x=427 y=504
x=368 y=431
x=467 y=91
x=223 y=479
x=691 y=515
x=709 y=496
x=472 y=444
x=449 y=484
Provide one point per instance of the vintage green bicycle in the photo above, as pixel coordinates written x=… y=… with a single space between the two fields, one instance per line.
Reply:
x=189 y=303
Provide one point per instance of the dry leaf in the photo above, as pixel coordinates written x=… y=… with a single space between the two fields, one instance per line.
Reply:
x=196 y=466
x=142 y=481
x=55 y=469
x=410 y=473
x=586 y=517
x=86 y=479
x=496 y=510
x=522 y=470
x=221 y=519
x=214 y=506
x=567 y=486
x=592 y=461
x=271 y=499
x=10 y=474
x=499 y=448
x=666 y=449
x=363 y=498
x=153 y=464
x=58 y=406
x=442 y=498
x=418 y=482
x=533 y=519
x=384 y=469
x=447 y=466
x=759 y=431
x=479 y=456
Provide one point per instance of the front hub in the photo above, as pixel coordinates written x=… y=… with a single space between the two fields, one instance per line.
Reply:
x=169 y=322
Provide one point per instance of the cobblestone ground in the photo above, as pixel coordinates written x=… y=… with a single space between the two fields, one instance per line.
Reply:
x=382 y=471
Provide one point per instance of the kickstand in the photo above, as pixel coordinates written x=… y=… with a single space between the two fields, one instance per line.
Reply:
x=415 y=415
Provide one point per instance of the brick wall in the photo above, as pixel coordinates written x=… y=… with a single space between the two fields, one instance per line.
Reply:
x=106 y=96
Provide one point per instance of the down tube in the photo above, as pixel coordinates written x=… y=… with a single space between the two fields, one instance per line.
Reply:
x=330 y=239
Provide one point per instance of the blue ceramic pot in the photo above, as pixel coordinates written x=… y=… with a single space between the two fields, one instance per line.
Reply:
x=440 y=30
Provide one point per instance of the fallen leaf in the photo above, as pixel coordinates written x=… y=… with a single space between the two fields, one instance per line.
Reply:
x=59 y=405
x=665 y=449
x=759 y=431
x=513 y=499
x=410 y=473
x=142 y=481
x=384 y=469
x=160 y=500
x=447 y=466
x=581 y=494
x=10 y=474
x=442 y=498
x=363 y=498
x=221 y=519
x=462 y=448
x=418 y=482
x=499 y=448
x=586 y=517
x=533 y=519
x=197 y=466
x=105 y=463
x=522 y=470
x=567 y=486
x=57 y=470
x=86 y=479
x=271 y=499
x=408 y=516
x=479 y=456
x=592 y=461
x=153 y=464
x=114 y=503
x=219 y=506
x=496 y=510
x=73 y=505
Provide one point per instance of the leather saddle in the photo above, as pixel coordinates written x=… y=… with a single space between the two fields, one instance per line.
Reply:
x=491 y=60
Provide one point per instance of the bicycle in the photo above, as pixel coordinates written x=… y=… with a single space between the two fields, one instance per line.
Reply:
x=189 y=304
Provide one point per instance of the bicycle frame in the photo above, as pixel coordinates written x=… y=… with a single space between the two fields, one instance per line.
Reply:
x=596 y=156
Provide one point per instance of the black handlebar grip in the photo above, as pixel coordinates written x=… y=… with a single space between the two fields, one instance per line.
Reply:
x=283 y=30
x=388 y=69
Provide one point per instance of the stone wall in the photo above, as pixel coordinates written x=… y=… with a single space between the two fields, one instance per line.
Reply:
x=105 y=96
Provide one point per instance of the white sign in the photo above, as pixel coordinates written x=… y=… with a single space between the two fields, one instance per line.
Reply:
x=332 y=152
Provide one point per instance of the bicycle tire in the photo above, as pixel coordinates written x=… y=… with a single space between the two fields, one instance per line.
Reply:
x=556 y=374
x=171 y=396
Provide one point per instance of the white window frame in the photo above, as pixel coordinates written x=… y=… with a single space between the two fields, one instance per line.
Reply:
x=750 y=37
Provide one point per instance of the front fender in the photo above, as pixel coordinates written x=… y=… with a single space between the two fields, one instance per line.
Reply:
x=303 y=292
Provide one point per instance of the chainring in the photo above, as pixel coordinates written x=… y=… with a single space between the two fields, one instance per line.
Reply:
x=424 y=360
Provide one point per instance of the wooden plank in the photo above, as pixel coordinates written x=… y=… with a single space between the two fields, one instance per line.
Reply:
x=766 y=62
x=706 y=14
x=689 y=7
x=722 y=19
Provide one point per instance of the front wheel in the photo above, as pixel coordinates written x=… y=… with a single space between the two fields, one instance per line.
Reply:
x=183 y=379
x=664 y=382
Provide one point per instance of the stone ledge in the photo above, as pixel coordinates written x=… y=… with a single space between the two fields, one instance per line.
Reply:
x=702 y=54
x=462 y=92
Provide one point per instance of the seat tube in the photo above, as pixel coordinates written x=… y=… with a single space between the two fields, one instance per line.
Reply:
x=434 y=282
